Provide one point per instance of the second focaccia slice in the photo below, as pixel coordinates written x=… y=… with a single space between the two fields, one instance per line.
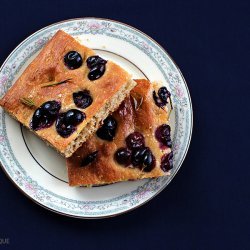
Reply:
x=66 y=92
x=134 y=143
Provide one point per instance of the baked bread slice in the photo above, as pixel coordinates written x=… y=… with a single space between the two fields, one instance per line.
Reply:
x=66 y=92
x=133 y=143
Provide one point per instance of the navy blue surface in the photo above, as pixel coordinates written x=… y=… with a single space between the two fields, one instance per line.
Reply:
x=207 y=205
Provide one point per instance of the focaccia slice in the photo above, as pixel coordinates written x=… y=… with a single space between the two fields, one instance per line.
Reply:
x=66 y=92
x=133 y=143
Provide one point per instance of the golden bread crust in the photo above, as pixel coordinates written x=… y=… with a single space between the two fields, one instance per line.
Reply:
x=105 y=169
x=48 y=66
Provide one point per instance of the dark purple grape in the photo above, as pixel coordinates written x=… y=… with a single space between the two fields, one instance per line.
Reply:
x=38 y=120
x=82 y=99
x=96 y=72
x=164 y=94
x=66 y=122
x=97 y=67
x=169 y=143
x=162 y=134
x=109 y=123
x=157 y=100
x=45 y=115
x=51 y=108
x=64 y=130
x=74 y=117
x=143 y=159
x=94 y=60
x=135 y=141
x=162 y=98
x=167 y=162
x=89 y=159
x=108 y=129
x=137 y=156
x=148 y=161
x=123 y=156
x=73 y=60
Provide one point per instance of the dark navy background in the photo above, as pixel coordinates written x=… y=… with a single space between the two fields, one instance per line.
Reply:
x=207 y=205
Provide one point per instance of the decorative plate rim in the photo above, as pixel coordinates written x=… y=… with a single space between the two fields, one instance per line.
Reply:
x=190 y=129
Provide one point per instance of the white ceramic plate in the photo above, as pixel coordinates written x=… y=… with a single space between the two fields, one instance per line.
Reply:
x=39 y=172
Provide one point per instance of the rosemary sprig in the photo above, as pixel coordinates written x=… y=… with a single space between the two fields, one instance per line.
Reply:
x=28 y=102
x=51 y=84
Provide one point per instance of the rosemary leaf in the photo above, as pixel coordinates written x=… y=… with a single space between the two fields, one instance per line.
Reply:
x=27 y=101
x=51 y=84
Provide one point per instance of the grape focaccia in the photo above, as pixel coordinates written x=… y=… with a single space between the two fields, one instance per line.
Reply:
x=133 y=143
x=66 y=92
